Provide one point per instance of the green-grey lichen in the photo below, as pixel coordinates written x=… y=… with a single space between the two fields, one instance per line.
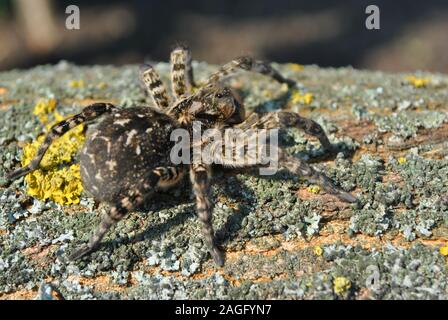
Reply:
x=164 y=236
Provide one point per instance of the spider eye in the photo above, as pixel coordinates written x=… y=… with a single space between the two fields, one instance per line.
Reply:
x=223 y=93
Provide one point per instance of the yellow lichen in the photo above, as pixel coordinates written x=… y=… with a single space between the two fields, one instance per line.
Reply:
x=284 y=87
x=266 y=93
x=314 y=189
x=61 y=151
x=270 y=94
x=43 y=108
x=102 y=85
x=318 y=251
x=76 y=84
x=59 y=185
x=341 y=285
x=444 y=250
x=418 y=82
x=401 y=160
x=54 y=180
x=306 y=98
x=295 y=66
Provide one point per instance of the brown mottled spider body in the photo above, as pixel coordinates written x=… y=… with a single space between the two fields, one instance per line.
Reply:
x=127 y=155
x=119 y=151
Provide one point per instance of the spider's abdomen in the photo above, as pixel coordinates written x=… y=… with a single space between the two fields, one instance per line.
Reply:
x=122 y=148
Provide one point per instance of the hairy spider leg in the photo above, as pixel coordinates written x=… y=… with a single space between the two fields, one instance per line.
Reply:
x=286 y=119
x=248 y=64
x=296 y=166
x=301 y=168
x=243 y=63
x=154 y=86
x=200 y=176
x=130 y=199
x=181 y=72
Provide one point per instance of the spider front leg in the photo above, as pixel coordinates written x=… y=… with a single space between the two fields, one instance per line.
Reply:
x=181 y=72
x=285 y=119
x=89 y=113
x=200 y=176
x=248 y=64
x=155 y=86
x=256 y=156
x=303 y=169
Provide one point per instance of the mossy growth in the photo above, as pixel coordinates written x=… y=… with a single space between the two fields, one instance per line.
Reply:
x=444 y=251
x=299 y=98
x=418 y=82
x=341 y=285
x=318 y=251
x=295 y=67
x=57 y=179
x=314 y=189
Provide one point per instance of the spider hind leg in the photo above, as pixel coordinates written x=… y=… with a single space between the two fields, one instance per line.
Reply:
x=131 y=198
x=89 y=113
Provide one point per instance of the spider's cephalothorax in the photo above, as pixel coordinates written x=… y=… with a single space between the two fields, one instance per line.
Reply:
x=126 y=157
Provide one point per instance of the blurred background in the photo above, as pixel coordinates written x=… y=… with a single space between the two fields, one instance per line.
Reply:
x=413 y=35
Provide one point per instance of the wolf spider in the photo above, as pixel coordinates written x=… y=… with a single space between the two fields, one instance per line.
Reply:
x=126 y=157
